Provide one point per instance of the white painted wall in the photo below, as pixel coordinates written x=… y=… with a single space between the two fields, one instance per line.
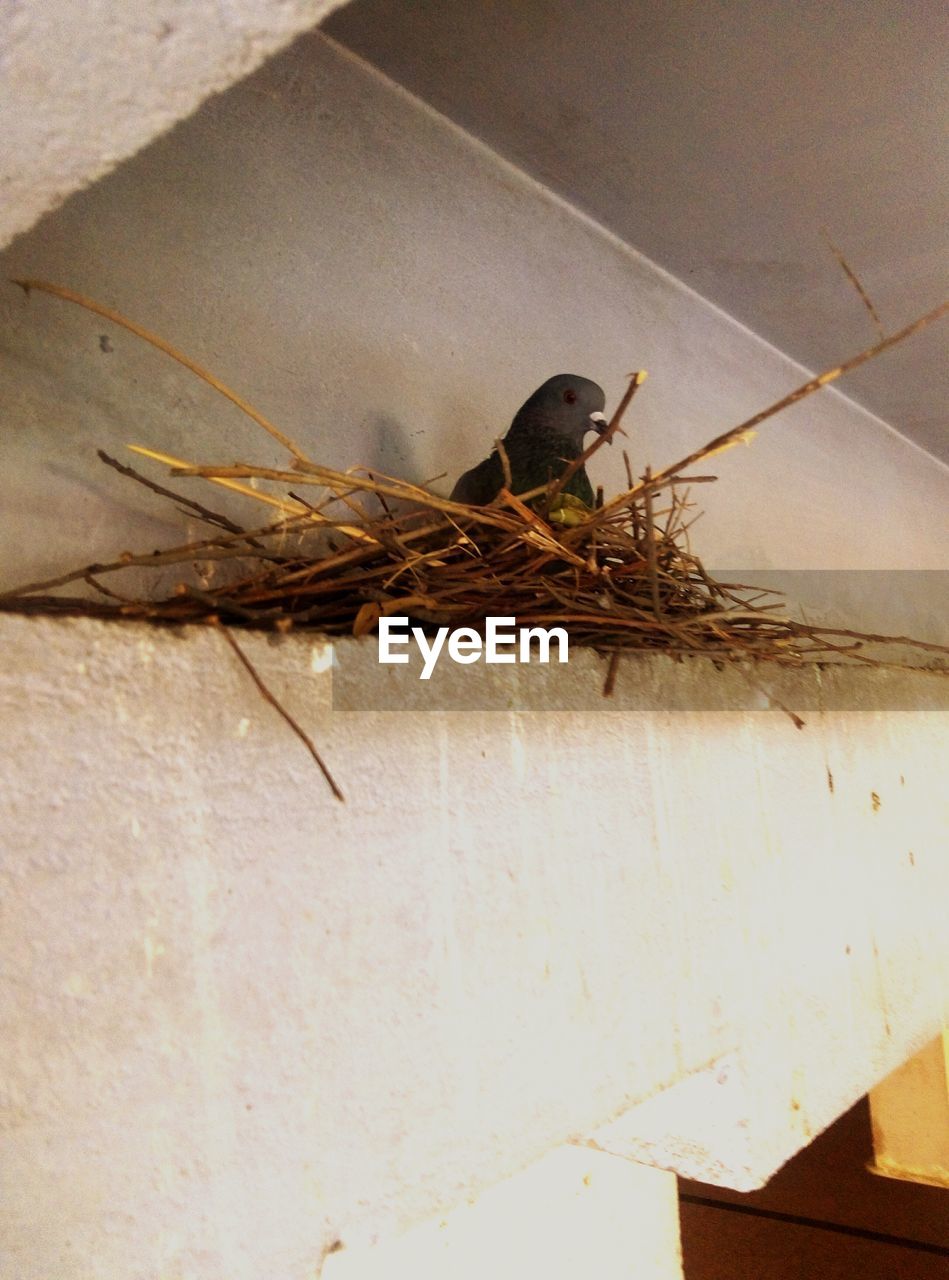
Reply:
x=573 y=1213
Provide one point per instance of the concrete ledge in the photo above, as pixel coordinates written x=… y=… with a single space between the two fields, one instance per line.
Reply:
x=645 y=682
x=243 y=1021
x=573 y=1213
x=86 y=86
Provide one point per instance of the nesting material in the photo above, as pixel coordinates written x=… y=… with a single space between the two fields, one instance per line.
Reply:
x=620 y=577
x=623 y=578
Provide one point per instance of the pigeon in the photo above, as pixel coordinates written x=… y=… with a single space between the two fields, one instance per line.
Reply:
x=546 y=434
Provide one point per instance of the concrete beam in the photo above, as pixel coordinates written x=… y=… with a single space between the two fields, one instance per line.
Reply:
x=85 y=86
x=243 y=1021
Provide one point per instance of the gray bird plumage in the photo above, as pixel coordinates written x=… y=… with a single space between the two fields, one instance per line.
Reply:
x=546 y=434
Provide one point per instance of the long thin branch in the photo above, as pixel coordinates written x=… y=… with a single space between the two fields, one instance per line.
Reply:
x=744 y=429
x=224 y=476
x=80 y=299
x=282 y=711
x=855 y=280
x=211 y=517
x=222 y=548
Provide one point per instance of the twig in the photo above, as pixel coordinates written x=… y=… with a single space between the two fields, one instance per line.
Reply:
x=611 y=673
x=282 y=711
x=380 y=498
x=221 y=548
x=68 y=295
x=855 y=281
x=182 y=468
x=744 y=430
x=651 y=559
x=220 y=603
x=868 y=637
x=212 y=517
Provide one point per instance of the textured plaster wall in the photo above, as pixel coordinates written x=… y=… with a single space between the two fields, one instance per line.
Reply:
x=85 y=85
x=242 y=1021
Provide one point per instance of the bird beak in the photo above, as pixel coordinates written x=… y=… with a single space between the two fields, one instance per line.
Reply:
x=598 y=423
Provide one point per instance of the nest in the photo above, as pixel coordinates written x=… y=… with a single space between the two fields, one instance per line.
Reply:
x=621 y=577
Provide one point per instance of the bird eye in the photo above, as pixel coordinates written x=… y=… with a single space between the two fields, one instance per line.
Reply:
x=570 y=396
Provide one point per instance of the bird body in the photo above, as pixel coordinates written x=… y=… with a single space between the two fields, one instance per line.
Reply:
x=546 y=434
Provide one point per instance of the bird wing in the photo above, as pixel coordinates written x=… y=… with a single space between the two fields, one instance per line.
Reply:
x=481 y=484
x=532 y=462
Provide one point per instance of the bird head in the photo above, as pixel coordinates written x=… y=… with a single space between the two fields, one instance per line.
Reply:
x=567 y=404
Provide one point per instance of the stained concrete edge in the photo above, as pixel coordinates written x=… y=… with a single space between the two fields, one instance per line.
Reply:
x=353 y=679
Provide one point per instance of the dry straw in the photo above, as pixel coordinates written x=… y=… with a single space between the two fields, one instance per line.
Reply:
x=620 y=578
